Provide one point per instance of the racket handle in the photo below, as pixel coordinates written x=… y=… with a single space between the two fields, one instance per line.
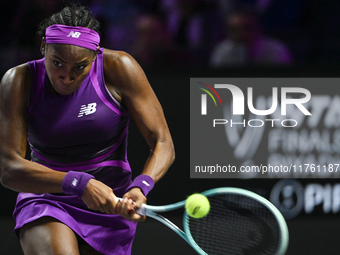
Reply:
x=141 y=210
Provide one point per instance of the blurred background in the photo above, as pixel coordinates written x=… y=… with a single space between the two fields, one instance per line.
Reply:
x=175 y=40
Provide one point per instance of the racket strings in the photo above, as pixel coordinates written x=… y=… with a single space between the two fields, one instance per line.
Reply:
x=237 y=225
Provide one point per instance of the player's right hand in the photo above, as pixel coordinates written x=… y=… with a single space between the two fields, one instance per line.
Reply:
x=98 y=196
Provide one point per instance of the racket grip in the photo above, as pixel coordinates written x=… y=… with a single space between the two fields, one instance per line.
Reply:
x=141 y=210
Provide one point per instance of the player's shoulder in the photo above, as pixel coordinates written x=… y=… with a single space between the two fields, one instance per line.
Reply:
x=16 y=81
x=17 y=73
x=115 y=58
x=120 y=67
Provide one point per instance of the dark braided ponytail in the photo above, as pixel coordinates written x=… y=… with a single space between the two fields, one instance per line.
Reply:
x=77 y=16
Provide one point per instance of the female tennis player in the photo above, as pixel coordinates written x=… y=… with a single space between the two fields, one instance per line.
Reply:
x=73 y=107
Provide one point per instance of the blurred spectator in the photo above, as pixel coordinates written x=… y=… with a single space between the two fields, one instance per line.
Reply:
x=116 y=18
x=247 y=45
x=196 y=25
x=285 y=20
x=276 y=16
x=153 y=46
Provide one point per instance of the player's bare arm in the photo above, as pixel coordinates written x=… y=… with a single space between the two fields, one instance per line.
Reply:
x=128 y=84
x=17 y=173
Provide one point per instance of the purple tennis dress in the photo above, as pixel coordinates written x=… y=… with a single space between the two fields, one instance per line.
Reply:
x=84 y=131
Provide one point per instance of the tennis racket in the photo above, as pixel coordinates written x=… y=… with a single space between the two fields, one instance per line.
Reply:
x=240 y=222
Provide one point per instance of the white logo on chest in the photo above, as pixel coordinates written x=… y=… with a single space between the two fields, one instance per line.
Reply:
x=87 y=109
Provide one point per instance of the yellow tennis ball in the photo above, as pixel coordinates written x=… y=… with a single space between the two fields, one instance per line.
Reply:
x=197 y=206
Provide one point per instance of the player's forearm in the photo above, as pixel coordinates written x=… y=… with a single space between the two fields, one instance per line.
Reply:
x=160 y=159
x=25 y=176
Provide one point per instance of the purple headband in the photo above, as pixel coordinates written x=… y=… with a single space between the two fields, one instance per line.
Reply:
x=79 y=36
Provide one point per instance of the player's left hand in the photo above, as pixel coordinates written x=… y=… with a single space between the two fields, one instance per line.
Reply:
x=127 y=207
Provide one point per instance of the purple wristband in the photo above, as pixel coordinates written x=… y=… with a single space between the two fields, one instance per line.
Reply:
x=75 y=183
x=144 y=182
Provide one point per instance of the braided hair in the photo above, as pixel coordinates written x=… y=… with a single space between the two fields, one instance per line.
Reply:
x=77 y=16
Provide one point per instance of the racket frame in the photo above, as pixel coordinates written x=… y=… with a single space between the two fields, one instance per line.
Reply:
x=152 y=211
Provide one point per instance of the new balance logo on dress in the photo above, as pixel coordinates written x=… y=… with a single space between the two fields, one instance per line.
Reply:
x=87 y=109
x=74 y=34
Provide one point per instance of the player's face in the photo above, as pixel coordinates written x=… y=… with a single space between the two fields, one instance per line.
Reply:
x=242 y=29
x=67 y=66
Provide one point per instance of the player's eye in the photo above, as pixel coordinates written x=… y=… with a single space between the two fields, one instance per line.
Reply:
x=56 y=63
x=81 y=67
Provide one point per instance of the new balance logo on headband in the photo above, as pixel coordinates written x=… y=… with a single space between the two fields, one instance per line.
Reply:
x=74 y=34
x=89 y=109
